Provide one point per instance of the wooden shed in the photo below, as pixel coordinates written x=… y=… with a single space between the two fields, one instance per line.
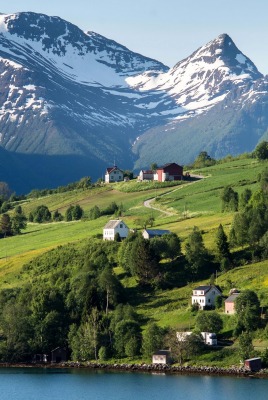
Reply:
x=58 y=355
x=161 y=357
x=253 y=364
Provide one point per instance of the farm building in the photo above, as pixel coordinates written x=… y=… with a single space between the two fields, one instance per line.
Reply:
x=146 y=175
x=113 y=227
x=205 y=296
x=161 y=357
x=229 y=303
x=209 y=338
x=58 y=355
x=169 y=172
x=114 y=174
x=151 y=233
x=253 y=364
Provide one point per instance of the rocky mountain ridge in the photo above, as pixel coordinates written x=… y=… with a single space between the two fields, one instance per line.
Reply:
x=73 y=102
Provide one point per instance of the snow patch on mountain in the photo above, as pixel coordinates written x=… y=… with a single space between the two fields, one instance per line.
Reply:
x=203 y=79
x=91 y=59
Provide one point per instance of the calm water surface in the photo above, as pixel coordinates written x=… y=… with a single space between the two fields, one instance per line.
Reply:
x=32 y=384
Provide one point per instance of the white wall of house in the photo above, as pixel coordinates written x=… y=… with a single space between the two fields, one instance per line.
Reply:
x=114 y=176
x=210 y=338
x=205 y=298
x=121 y=228
x=159 y=359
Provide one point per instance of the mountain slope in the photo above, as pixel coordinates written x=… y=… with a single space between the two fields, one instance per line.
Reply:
x=223 y=100
x=79 y=101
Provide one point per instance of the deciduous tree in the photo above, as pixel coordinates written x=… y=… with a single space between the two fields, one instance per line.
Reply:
x=261 y=151
x=209 y=321
x=247 y=307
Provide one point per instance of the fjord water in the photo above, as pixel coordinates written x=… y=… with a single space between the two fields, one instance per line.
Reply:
x=43 y=384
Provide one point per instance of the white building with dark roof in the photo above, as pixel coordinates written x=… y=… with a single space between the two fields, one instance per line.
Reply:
x=205 y=296
x=161 y=357
x=114 y=174
x=113 y=227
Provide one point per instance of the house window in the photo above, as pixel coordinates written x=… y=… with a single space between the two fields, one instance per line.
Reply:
x=112 y=177
x=121 y=225
x=115 y=172
x=208 y=300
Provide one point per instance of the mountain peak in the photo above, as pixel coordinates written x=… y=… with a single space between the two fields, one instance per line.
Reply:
x=223 y=50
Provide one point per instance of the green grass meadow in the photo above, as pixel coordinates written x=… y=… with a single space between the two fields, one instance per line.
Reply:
x=190 y=204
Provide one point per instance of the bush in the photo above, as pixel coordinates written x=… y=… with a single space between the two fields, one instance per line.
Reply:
x=103 y=354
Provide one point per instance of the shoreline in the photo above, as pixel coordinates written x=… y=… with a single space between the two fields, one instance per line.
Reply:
x=149 y=368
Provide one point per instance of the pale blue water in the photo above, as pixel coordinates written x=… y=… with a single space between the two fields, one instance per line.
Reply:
x=30 y=384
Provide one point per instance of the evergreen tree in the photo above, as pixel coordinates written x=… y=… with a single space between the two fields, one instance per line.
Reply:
x=57 y=216
x=222 y=245
x=142 y=261
x=69 y=214
x=41 y=214
x=94 y=212
x=5 y=225
x=196 y=253
x=18 y=221
x=247 y=307
x=245 y=198
x=229 y=199
x=264 y=180
x=77 y=212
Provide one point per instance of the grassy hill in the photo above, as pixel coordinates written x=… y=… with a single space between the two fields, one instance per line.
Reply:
x=191 y=204
x=177 y=207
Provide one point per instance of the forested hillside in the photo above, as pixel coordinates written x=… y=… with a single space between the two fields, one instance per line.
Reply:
x=62 y=285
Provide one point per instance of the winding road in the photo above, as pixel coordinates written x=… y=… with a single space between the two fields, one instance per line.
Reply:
x=147 y=203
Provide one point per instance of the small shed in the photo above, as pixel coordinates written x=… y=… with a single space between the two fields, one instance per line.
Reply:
x=253 y=364
x=161 y=357
x=146 y=175
x=151 y=233
x=59 y=354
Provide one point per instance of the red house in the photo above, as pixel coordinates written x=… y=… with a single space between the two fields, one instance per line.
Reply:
x=169 y=172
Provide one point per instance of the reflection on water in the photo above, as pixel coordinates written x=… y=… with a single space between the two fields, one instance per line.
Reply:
x=82 y=384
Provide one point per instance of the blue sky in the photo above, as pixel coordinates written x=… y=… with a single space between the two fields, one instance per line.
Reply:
x=167 y=30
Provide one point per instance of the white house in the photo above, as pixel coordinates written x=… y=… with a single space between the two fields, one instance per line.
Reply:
x=209 y=338
x=205 y=296
x=114 y=174
x=115 y=226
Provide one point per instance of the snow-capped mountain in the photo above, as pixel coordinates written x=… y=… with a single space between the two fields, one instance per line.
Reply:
x=72 y=102
x=204 y=78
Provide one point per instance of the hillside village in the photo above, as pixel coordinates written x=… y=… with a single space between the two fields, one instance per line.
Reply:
x=89 y=273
